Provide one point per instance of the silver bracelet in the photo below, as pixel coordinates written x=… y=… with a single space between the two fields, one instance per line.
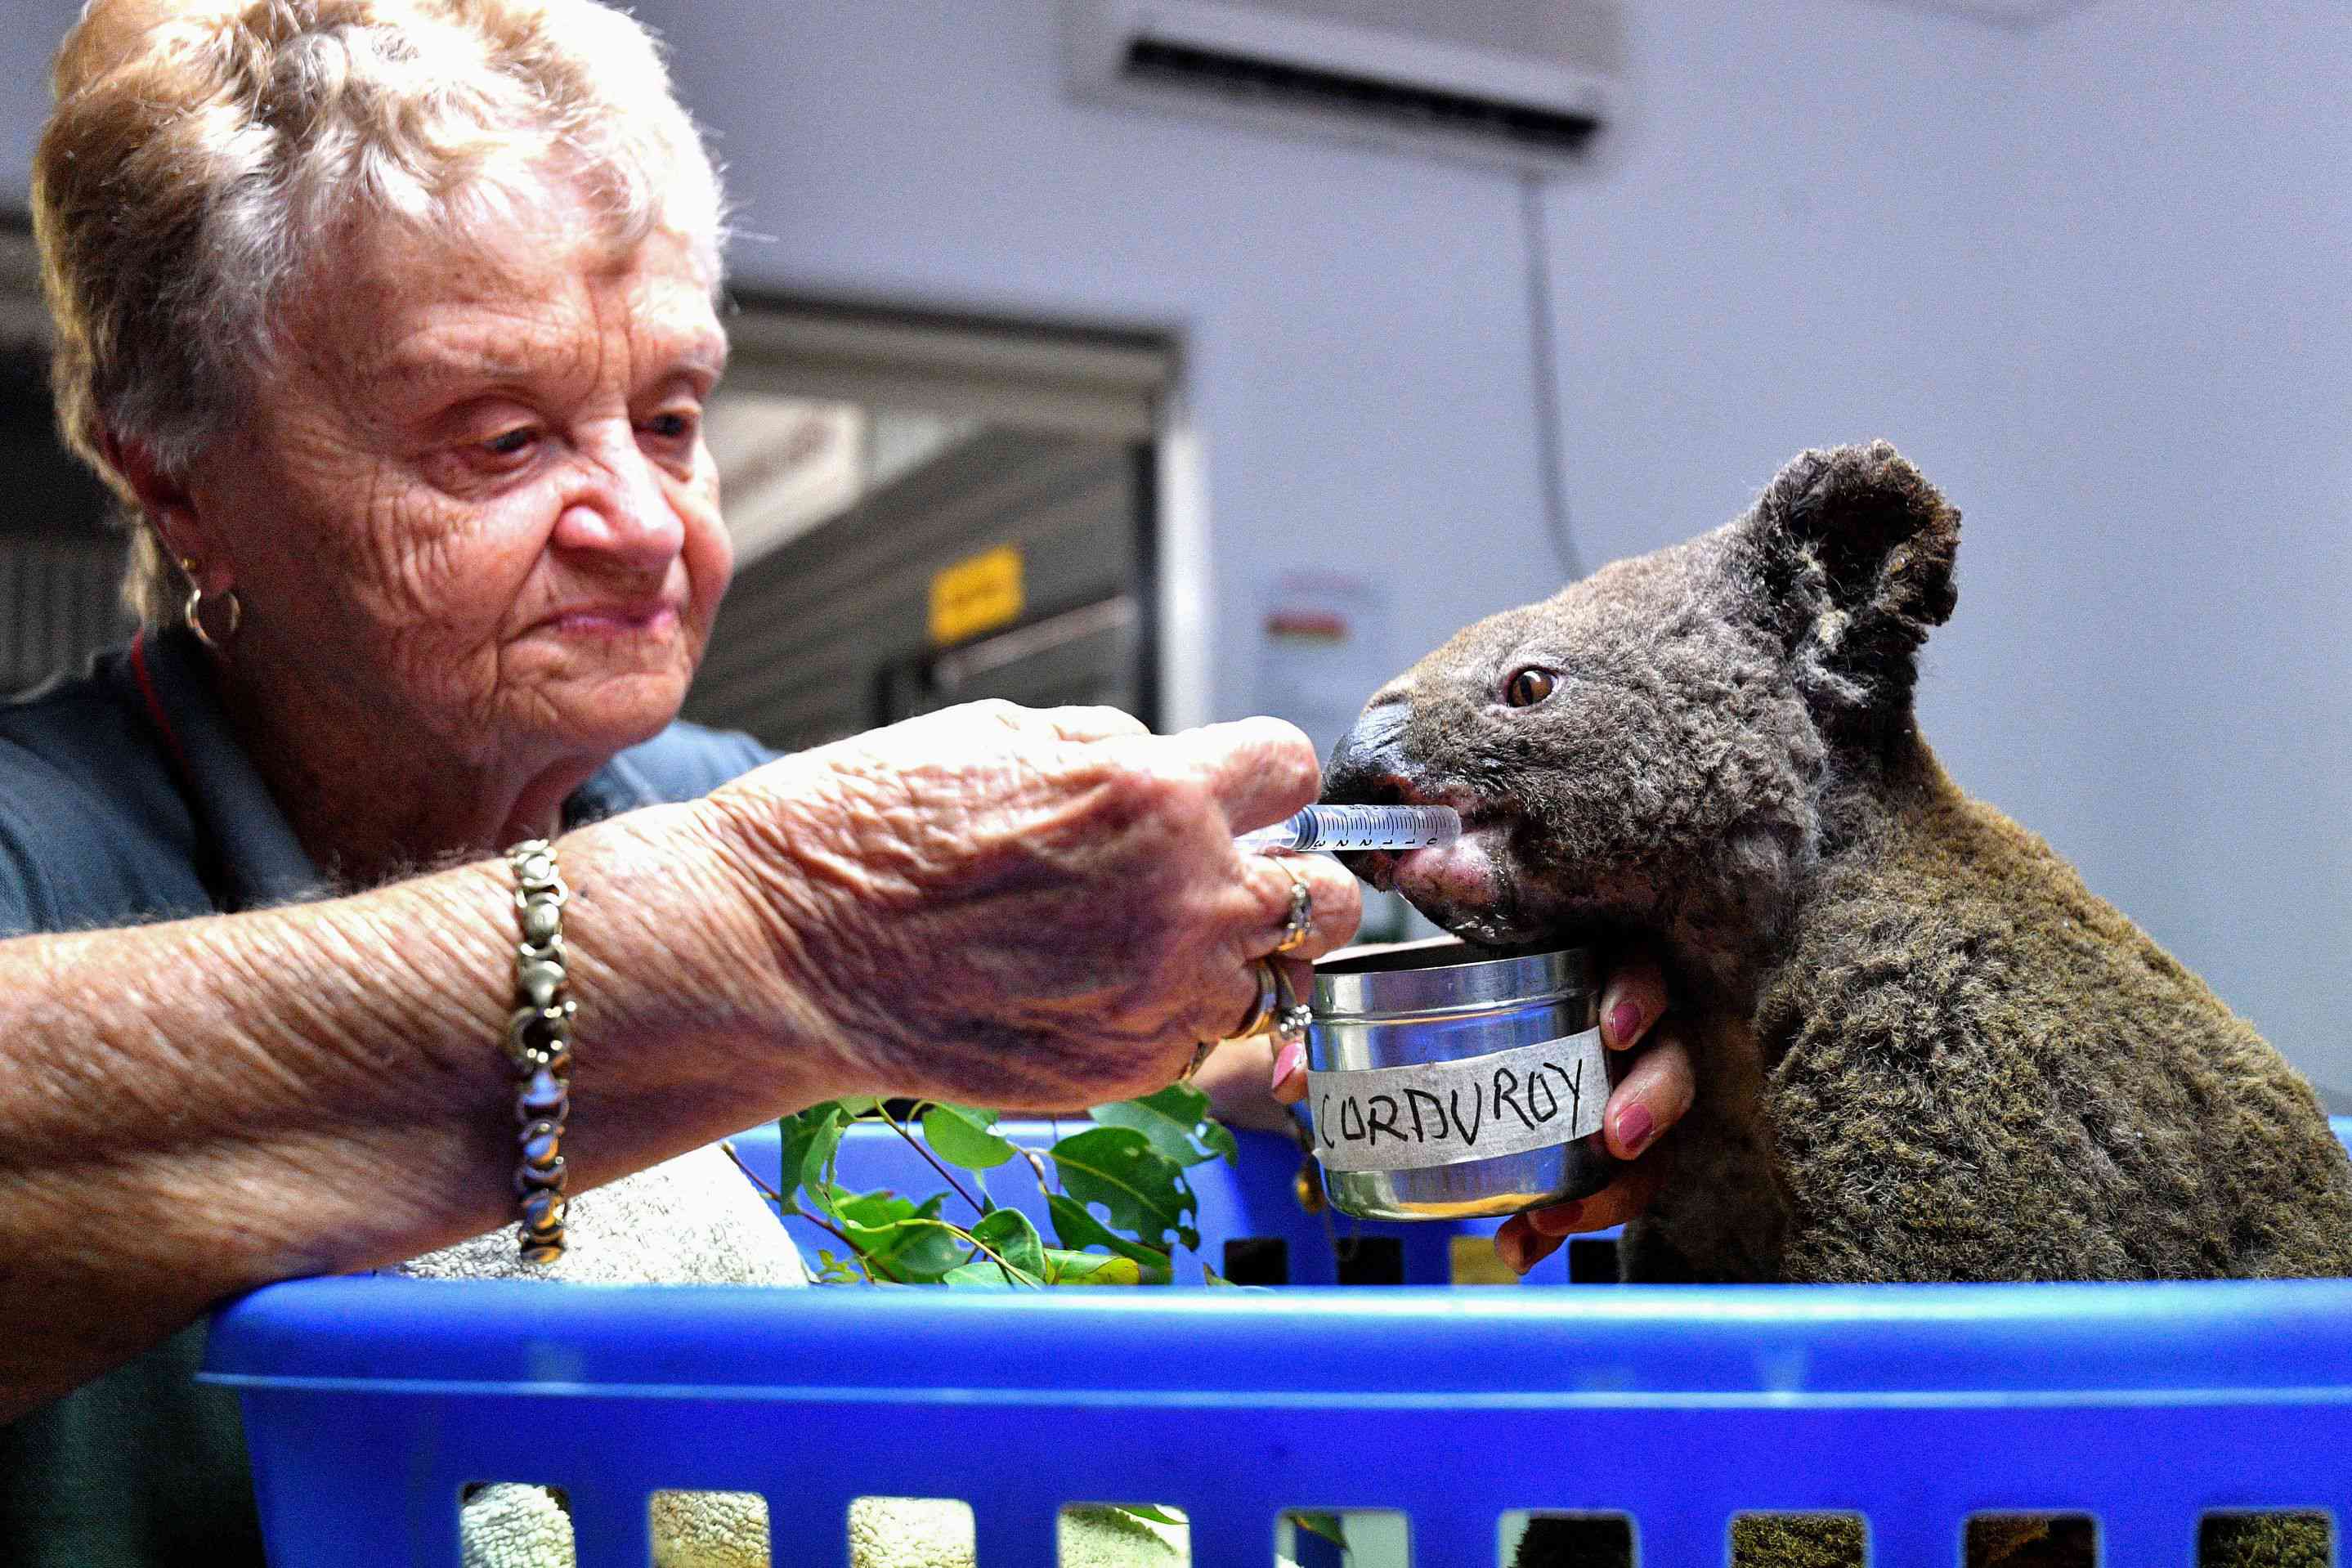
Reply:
x=538 y=1043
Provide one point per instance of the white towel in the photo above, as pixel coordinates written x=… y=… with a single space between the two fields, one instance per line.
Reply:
x=693 y=1221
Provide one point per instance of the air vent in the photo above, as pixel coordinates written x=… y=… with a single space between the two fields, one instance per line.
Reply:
x=1310 y=91
x=1491 y=81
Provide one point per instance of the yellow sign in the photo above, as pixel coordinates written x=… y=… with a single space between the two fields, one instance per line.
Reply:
x=978 y=594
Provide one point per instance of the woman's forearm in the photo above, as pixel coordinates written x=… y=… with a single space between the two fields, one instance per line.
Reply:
x=987 y=904
x=194 y=1108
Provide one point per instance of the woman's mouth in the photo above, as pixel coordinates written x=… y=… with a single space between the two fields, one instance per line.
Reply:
x=652 y=617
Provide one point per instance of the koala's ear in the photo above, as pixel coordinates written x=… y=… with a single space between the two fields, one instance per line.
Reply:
x=1848 y=555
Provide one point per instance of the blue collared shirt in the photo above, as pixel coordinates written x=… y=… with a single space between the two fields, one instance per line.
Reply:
x=125 y=797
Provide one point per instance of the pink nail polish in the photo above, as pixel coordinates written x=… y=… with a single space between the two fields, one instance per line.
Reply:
x=1634 y=1127
x=1291 y=1058
x=1625 y=1021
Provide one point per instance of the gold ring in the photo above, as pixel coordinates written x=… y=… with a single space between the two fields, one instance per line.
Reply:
x=1300 y=925
x=1261 y=1013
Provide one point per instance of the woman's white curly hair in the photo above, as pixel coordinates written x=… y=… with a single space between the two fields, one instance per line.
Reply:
x=202 y=155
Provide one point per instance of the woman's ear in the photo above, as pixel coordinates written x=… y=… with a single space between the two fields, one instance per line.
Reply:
x=1851 y=552
x=163 y=496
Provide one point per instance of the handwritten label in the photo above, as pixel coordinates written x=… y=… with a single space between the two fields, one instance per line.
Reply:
x=1507 y=1102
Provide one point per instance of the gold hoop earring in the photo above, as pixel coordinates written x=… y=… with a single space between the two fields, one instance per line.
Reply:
x=193 y=611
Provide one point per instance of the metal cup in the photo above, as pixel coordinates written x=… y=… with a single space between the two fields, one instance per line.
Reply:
x=1449 y=1082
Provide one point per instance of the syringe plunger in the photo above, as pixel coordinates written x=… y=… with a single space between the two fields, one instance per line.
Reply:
x=1339 y=828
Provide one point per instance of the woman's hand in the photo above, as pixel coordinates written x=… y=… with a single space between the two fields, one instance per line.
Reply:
x=1030 y=910
x=1649 y=1098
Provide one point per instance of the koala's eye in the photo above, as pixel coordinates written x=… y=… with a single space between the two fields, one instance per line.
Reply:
x=1527 y=686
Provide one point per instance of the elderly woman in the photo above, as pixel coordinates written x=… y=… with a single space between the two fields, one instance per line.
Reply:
x=393 y=323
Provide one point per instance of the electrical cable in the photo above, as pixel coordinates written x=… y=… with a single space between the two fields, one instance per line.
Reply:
x=1546 y=360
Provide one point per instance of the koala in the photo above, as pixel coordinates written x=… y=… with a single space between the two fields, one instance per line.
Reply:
x=1924 y=1049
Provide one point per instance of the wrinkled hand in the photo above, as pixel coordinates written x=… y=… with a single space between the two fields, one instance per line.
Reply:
x=1649 y=1098
x=1024 y=909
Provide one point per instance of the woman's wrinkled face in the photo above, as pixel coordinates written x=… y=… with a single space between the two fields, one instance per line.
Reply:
x=474 y=496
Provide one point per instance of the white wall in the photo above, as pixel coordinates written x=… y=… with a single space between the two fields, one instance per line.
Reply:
x=2091 y=277
x=2165 y=687
x=2093 y=280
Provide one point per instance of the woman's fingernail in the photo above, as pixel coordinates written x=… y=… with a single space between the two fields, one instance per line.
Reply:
x=1634 y=1127
x=1288 y=1060
x=1510 y=1250
x=1560 y=1220
x=1626 y=1022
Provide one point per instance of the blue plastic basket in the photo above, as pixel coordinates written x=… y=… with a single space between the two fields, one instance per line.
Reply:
x=371 y=1402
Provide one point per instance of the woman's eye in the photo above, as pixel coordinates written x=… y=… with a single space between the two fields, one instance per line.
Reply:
x=510 y=442
x=1527 y=686
x=671 y=426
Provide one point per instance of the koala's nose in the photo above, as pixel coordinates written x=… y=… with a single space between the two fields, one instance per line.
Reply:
x=1369 y=767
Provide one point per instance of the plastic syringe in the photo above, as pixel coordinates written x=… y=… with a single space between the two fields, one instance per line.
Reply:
x=1335 y=828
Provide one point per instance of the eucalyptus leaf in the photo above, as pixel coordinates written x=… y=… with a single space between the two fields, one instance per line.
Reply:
x=1065 y=1267
x=1009 y=1235
x=1170 y=1119
x=1143 y=1189
x=793 y=1134
x=1183 y=1103
x=1076 y=1228
x=1130 y=1163
x=823 y=1143
x=961 y=1136
x=880 y=1208
x=918 y=1249
x=1155 y=1515
x=796 y=1135
x=991 y=1274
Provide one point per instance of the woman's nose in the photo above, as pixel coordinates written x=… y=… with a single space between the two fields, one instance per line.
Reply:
x=619 y=509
